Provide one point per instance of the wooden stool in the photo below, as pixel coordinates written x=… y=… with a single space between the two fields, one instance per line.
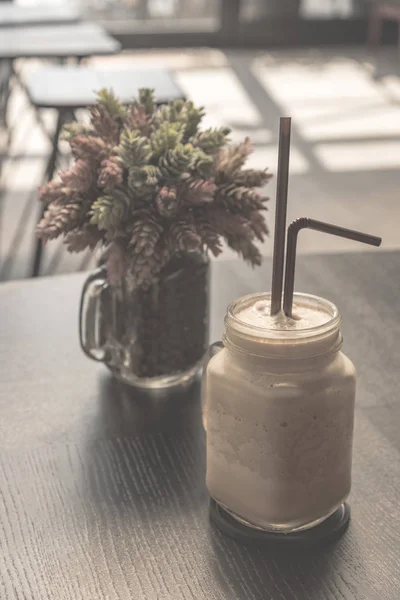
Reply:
x=67 y=89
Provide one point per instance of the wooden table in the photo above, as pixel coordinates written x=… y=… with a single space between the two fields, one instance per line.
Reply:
x=102 y=493
x=15 y=15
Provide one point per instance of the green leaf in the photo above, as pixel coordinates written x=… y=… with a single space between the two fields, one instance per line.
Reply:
x=194 y=117
x=73 y=130
x=112 y=105
x=177 y=161
x=166 y=137
x=211 y=140
x=108 y=211
x=146 y=99
x=134 y=149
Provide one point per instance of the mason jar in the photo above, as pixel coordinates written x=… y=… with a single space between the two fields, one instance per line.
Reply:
x=279 y=410
x=152 y=338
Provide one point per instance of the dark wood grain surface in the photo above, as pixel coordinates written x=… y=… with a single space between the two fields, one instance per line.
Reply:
x=102 y=491
x=12 y=14
x=80 y=40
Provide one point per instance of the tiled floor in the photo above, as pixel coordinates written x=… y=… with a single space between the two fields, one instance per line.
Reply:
x=345 y=160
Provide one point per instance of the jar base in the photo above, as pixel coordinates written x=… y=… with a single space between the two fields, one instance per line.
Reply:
x=325 y=532
x=181 y=380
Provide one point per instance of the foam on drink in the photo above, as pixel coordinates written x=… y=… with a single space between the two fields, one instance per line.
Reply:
x=303 y=317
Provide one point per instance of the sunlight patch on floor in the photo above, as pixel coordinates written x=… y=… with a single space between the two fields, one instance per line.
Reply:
x=331 y=101
x=359 y=156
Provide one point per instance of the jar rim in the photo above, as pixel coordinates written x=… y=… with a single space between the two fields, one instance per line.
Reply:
x=332 y=323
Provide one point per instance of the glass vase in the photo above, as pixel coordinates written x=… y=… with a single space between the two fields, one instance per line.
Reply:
x=149 y=337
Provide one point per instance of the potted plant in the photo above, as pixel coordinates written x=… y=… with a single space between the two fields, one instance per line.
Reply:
x=157 y=194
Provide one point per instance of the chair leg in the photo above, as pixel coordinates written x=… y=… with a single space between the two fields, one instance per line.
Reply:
x=37 y=259
x=6 y=73
x=374 y=28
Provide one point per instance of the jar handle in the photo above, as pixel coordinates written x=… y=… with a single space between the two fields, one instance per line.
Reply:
x=90 y=315
x=213 y=349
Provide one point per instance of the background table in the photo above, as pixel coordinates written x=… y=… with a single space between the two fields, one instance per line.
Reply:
x=56 y=41
x=74 y=87
x=102 y=493
x=15 y=15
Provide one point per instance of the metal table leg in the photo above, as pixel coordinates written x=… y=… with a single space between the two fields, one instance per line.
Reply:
x=49 y=174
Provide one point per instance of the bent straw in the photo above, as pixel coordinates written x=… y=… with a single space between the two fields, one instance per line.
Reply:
x=280 y=215
x=306 y=223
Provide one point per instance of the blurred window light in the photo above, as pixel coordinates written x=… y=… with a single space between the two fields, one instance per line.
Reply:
x=326 y=9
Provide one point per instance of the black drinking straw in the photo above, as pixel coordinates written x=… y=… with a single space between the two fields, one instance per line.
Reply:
x=306 y=223
x=280 y=215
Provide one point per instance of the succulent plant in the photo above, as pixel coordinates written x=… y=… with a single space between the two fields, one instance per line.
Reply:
x=148 y=184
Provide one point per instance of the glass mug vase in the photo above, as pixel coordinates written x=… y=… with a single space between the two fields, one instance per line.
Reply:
x=153 y=338
x=278 y=408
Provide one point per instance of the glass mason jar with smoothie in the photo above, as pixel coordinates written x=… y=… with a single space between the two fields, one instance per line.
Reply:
x=279 y=414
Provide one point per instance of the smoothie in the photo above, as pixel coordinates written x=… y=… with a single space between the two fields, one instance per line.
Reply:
x=280 y=406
